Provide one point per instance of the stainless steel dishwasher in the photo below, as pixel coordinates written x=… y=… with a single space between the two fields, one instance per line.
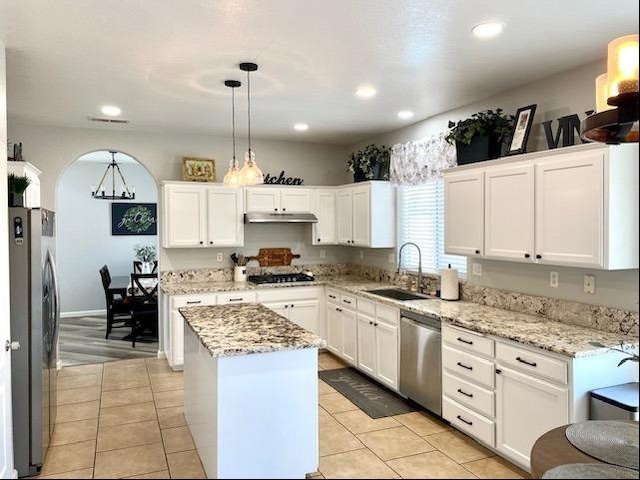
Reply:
x=421 y=360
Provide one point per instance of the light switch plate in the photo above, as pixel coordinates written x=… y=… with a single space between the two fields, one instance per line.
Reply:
x=589 y=284
x=553 y=279
x=323 y=254
x=477 y=269
x=219 y=257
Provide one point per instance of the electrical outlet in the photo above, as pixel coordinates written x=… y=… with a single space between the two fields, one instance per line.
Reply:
x=477 y=269
x=361 y=254
x=323 y=254
x=219 y=257
x=589 y=284
x=553 y=279
x=391 y=258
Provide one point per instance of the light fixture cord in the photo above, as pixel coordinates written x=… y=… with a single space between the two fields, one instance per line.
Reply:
x=233 y=123
x=249 y=111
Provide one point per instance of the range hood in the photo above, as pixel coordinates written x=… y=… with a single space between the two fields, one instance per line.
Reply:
x=256 y=217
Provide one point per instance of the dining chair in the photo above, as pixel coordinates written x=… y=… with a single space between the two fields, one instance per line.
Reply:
x=118 y=310
x=144 y=305
x=137 y=266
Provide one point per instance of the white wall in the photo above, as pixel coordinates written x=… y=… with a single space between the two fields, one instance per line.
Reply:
x=85 y=242
x=569 y=92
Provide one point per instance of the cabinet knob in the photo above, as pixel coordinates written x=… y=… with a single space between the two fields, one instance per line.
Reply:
x=276 y=209
x=526 y=255
x=318 y=240
x=286 y=306
x=370 y=323
x=375 y=324
x=291 y=306
x=284 y=209
x=477 y=252
x=201 y=243
x=538 y=256
x=210 y=243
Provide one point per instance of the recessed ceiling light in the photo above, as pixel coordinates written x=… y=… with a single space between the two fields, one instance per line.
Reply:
x=366 y=91
x=405 y=114
x=111 y=110
x=488 y=29
x=301 y=127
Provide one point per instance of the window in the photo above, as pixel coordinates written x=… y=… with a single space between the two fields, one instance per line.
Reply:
x=421 y=220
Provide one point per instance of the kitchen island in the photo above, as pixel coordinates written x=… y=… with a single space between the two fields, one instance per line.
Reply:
x=250 y=396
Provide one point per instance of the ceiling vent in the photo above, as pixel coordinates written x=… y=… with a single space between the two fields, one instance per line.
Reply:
x=108 y=120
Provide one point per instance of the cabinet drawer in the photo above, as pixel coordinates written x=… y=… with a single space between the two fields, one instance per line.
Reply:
x=347 y=301
x=236 y=297
x=469 y=422
x=333 y=296
x=197 y=300
x=387 y=314
x=287 y=294
x=469 y=341
x=466 y=393
x=463 y=364
x=532 y=362
x=367 y=307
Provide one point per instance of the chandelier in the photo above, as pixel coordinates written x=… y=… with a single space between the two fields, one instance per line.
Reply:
x=116 y=193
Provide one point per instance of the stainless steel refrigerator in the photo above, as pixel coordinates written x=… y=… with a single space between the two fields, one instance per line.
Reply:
x=34 y=323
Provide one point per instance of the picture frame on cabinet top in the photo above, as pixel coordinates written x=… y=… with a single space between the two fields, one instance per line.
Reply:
x=521 y=130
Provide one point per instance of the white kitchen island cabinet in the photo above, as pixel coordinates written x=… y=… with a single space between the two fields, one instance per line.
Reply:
x=251 y=400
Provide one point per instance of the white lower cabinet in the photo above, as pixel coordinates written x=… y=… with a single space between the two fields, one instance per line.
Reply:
x=366 y=344
x=334 y=329
x=301 y=312
x=349 y=336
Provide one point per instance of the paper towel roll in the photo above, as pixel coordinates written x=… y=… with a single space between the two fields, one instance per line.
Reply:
x=449 y=287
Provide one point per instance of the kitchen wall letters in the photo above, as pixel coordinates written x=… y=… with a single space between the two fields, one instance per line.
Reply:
x=282 y=180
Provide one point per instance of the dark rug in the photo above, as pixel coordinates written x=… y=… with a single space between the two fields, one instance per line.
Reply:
x=372 y=398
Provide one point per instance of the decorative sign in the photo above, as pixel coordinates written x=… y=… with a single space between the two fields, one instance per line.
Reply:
x=198 y=169
x=567 y=127
x=134 y=219
x=282 y=180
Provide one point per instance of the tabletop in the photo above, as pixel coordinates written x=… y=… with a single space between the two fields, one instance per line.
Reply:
x=121 y=283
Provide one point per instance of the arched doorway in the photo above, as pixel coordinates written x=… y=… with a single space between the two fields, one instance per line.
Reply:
x=92 y=233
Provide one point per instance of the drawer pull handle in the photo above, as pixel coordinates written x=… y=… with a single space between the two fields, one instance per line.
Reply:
x=338 y=309
x=464 y=366
x=531 y=364
x=195 y=302
x=463 y=420
x=468 y=342
x=347 y=301
x=235 y=299
x=332 y=296
x=470 y=395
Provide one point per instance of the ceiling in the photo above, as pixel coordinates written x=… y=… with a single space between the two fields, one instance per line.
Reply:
x=163 y=61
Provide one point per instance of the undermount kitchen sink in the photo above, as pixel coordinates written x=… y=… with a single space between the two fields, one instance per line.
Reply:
x=398 y=294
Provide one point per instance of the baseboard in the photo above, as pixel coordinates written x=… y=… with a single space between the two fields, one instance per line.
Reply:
x=83 y=313
x=161 y=354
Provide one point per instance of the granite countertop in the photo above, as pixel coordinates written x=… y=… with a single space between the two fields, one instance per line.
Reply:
x=533 y=330
x=246 y=328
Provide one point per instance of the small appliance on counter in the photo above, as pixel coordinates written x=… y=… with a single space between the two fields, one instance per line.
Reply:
x=239 y=267
x=449 y=284
x=280 y=278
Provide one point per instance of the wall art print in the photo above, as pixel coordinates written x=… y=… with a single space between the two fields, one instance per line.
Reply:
x=134 y=218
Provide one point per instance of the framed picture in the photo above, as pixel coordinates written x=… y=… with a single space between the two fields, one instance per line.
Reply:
x=198 y=169
x=134 y=218
x=521 y=129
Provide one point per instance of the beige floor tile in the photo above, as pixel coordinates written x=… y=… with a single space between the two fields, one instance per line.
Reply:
x=171 y=398
x=78 y=395
x=330 y=362
x=155 y=377
x=162 y=474
x=394 y=443
x=85 y=473
x=74 y=432
x=173 y=382
x=336 y=403
x=78 y=411
x=66 y=458
x=428 y=465
x=115 y=398
x=337 y=439
x=324 y=388
x=359 y=422
x=356 y=464
x=185 y=465
x=78 y=381
x=325 y=419
x=171 y=417
x=177 y=439
x=89 y=369
x=122 y=382
x=123 y=414
x=155 y=361
x=129 y=435
x=422 y=423
x=123 y=363
x=494 y=467
x=458 y=446
x=126 y=462
x=158 y=367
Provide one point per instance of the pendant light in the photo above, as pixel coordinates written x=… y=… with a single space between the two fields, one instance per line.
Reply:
x=250 y=173
x=124 y=193
x=232 y=178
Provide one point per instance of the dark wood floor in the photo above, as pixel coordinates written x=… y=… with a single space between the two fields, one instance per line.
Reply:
x=82 y=341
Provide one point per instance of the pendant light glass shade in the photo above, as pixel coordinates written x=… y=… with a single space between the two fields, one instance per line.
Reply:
x=250 y=173
x=233 y=178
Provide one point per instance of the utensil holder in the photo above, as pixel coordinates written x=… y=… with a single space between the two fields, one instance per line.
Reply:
x=239 y=274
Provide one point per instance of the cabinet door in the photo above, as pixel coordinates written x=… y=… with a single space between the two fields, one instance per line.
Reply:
x=324 y=232
x=569 y=210
x=185 y=215
x=366 y=345
x=387 y=353
x=295 y=200
x=349 y=336
x=361 y=221
x=281 y=308
x=334 y=329
x=344 y=215
x=509 y=219
x=263 y=199
x=464 y=213
x=305 y=314
x=176 y=340
x=225 y=211
x=526 y=408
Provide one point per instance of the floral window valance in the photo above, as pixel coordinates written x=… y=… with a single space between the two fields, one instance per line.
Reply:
x=413 y=163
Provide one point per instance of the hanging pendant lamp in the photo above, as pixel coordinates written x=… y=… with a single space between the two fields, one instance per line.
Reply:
x=232 y=178
x=117 y=193
x=250 y=173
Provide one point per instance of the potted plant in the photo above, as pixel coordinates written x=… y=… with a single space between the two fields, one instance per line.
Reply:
x=481 y=136
x=17 y=185
x=370 y=163
x=147 y=255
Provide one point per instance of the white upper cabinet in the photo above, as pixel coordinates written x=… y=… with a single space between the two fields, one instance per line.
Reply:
x=464 y=213
x=324 y=232
x=344 y=216
x=267 y=199
x=361 y=221
x=225 y=216
x=295 y=200
x=509 y=219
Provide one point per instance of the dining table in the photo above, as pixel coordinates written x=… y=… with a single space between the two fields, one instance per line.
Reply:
x=121 y=284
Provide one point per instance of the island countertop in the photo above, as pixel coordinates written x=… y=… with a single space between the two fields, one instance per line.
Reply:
x=246 y=328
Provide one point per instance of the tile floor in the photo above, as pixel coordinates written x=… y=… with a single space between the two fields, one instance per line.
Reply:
x=125 y=420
